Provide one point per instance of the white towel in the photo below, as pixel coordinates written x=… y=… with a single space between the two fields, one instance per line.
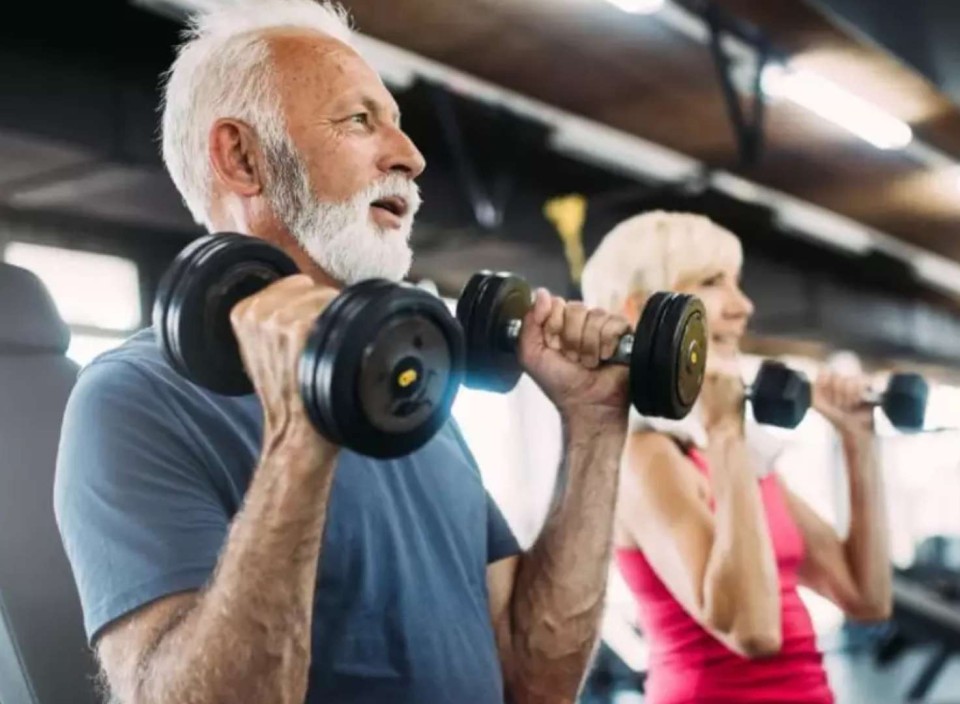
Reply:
x=764 y=446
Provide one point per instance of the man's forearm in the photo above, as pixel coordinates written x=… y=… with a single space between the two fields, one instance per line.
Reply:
x=561 y=581
x=867 y=545
x=247 y=636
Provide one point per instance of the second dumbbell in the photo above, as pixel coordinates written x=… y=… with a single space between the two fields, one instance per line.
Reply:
x=666 y=353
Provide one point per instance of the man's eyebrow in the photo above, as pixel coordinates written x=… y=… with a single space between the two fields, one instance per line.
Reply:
x=378 y=109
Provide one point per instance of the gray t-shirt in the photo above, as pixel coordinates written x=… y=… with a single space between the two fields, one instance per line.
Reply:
x=151 y=470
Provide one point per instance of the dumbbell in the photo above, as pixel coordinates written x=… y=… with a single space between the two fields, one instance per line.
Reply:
x=904 y=401
x=382 y=363
x=781 y=396
x=666 y=353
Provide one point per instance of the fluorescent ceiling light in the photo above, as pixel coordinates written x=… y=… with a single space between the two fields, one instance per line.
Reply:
x=639 y=7
x=938 y=271
x=600 y=144
x=837 y=105
x=823 y=225
x=737 y=187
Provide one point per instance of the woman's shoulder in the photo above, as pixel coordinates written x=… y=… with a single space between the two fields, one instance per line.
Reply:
x=657 y=479
x=653 y=456
x=652 y=440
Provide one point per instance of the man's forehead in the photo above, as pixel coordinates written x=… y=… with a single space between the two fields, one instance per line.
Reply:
x=330 y=69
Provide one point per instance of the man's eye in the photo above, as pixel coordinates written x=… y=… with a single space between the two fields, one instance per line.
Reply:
x=712 y=281
x=361 y=118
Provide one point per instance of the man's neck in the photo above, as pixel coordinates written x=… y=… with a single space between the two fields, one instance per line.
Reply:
x=279 y=236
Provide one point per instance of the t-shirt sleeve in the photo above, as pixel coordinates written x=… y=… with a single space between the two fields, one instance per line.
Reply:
x=501 y=542
x=137 y=513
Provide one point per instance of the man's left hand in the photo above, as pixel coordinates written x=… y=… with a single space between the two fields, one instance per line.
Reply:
x=562 y=347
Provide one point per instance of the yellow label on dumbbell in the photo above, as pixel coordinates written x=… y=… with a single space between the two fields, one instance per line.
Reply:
x=407 y=378
x=694 y=357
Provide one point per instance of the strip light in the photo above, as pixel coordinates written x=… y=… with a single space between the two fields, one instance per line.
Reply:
x=639 y=7
x=938 y=271
x=837 y=105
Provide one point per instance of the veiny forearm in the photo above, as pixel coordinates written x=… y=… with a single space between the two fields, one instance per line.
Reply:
x=561 y=581
x=247 y=636
x=741 y=592
x=867 y=547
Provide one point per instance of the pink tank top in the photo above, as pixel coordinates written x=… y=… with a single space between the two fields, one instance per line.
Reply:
x=689 y=665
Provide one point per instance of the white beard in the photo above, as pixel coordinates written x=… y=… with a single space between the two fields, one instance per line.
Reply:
x=341 y=237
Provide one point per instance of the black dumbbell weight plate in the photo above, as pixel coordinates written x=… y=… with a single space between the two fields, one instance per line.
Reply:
x=780 y=396
x=642 y=383
x=486 y=305
x=678 y=353
x=162 y=315
x=691 y=350
x=382 y=368
x=905 y=401
x=192 y=310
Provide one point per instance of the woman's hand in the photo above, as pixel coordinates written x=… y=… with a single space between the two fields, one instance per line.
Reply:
x=722 y=401
x=840 y=399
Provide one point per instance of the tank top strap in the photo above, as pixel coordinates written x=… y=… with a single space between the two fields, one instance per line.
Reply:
x=696 y=456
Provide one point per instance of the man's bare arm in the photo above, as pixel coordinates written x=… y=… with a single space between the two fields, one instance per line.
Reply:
x=550 y=599
x=246 y=636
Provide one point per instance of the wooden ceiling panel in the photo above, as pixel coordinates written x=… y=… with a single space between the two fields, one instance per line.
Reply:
x=436 y=28
x=642 y=76
x=531 y=60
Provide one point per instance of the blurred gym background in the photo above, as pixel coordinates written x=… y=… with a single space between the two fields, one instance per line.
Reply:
x=826 y=133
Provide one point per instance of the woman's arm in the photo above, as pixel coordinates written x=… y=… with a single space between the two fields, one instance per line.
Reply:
x=854 y=573
x=720 y=566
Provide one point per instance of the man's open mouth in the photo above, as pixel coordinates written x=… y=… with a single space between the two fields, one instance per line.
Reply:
x=393 y=204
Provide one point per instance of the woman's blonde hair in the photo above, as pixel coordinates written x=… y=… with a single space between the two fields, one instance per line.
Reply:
x=656 y=251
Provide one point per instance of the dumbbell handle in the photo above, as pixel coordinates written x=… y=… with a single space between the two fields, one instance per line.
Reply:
x=872 y=397
x=787 y=396
x=621 y=355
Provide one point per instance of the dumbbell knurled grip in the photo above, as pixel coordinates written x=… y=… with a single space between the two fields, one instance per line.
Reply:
x=621 y=355
x=871 y=397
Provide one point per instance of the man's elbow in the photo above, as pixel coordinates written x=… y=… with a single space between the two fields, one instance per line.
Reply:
x=548 y=680
x=542 y=693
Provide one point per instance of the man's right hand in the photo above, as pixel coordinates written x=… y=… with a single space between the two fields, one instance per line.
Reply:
x=272 y=327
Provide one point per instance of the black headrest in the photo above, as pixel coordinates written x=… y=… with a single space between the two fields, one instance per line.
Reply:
x=29 y=321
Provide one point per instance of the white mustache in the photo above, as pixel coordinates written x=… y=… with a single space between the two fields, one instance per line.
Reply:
x=394 y=186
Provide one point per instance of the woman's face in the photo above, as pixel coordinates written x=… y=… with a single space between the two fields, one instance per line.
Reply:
x=728 y=313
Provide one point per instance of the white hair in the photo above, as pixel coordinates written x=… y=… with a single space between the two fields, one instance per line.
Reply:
x=223 y=69
x=655 y=251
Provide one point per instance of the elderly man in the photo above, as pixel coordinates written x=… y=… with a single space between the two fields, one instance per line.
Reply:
x=223 y=550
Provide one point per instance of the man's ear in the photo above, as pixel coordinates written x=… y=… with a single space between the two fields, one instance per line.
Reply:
x=236 y=157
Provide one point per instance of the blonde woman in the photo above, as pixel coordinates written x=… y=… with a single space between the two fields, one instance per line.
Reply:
x=711 y=542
